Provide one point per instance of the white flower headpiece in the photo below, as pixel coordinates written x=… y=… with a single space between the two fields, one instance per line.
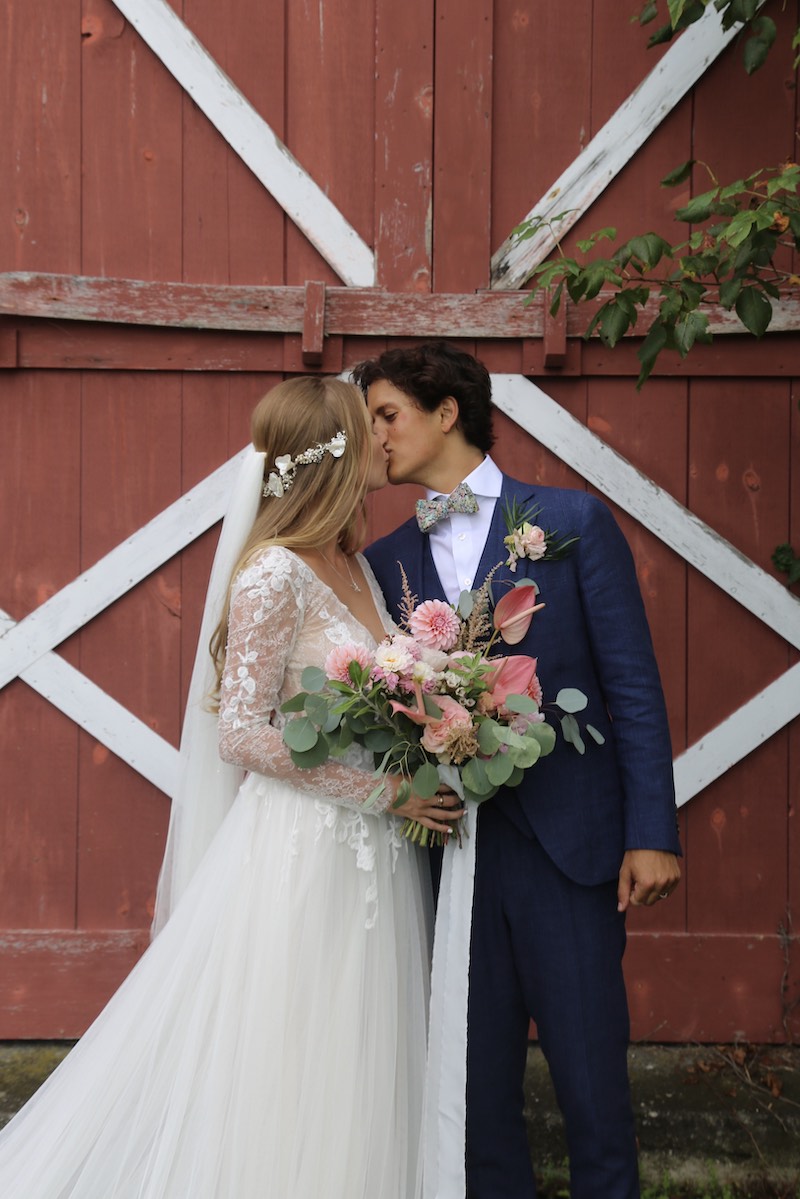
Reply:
x=278 y=483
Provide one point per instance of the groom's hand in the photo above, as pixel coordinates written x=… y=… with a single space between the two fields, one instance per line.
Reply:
x=645 y=876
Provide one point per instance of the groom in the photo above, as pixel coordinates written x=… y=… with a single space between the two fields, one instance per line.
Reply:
x=561 y=856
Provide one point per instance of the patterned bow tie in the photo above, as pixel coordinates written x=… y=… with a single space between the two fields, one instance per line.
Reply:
x=431 y=511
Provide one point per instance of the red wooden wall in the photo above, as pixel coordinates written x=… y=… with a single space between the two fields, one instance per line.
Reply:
x=434 y=126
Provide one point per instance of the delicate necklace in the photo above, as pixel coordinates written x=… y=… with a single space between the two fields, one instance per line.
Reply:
x=335 y=570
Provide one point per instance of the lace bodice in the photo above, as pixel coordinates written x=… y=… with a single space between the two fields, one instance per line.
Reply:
x=283 y=618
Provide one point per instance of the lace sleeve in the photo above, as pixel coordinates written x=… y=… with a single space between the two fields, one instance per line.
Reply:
x=266 y=616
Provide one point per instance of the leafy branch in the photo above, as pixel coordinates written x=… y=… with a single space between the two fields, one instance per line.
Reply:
x=683 y=13
x=728 y=259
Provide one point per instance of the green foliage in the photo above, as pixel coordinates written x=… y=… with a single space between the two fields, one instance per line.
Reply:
x=785 y=559
x=729 y=256
x=683 y=13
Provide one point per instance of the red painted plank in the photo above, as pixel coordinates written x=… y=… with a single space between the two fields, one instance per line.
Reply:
x=233 y=230
x=330 y=121
x=710 y=987
x=131 y=131
x=542 y=64
x=39 y=546
x=41 y=145
x=462 y=153
x=404 y=105
x=633 y=202
x=53 y=984
x=737 y=828
x=313 y=323
x=131 y=438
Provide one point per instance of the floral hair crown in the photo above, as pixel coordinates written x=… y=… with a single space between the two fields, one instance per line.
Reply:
x=278 y=482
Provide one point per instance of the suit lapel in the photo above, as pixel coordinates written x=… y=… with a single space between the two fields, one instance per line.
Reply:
x=494 y=551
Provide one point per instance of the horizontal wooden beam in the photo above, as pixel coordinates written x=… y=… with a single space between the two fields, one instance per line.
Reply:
x=353 y=312
x=56 y=981
x=78 y=345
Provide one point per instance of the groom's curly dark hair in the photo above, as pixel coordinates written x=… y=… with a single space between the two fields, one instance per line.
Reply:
x=430 y=371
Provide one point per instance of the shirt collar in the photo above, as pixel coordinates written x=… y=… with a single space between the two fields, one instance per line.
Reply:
x=485 y=480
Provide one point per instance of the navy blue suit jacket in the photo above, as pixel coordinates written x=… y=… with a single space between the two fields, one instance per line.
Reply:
x=586 y=810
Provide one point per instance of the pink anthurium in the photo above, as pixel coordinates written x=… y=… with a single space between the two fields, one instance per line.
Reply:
x=512 y=676
x=418 y=714
x=514 y=612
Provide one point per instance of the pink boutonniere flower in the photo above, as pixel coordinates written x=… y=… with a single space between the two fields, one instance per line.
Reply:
x=528 y=540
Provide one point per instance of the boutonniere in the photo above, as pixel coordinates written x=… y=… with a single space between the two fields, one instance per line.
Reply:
x=526 y=539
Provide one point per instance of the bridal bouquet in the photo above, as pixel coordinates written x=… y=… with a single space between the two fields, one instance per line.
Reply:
x=432 y=703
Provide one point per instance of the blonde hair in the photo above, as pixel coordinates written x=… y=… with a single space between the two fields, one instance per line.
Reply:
x=326 y=499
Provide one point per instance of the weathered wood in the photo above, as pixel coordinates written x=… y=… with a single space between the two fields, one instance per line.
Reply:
x=116 y=573
x=555 y=335
x=251 y=137
x=710 y=986
x=102 y=717
x=404 y=119
x=681 y=987
x=348 y=311
x=462 y=144
x=616 y=143
x=54 y=983
x=313 y=323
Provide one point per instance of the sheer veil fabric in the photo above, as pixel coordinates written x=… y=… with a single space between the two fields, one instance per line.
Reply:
x=206 y=785
x=271 y=1042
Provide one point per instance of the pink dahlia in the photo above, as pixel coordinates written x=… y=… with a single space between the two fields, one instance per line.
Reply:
x=435 y=625
x=337 y=663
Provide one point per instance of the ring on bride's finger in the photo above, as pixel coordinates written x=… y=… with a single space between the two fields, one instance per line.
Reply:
x=440 y=799
x=664 y=895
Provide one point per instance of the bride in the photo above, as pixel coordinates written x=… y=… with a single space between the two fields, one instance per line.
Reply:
x=271 y=1042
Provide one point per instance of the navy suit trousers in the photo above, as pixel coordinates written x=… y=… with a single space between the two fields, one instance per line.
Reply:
x=548 y=948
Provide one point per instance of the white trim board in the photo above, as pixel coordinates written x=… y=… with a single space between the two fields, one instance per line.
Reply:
x=249 y=135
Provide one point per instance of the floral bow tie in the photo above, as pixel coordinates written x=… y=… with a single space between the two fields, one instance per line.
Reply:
x=431 y=511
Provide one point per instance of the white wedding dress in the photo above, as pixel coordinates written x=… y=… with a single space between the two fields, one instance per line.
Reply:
x=271 y=1042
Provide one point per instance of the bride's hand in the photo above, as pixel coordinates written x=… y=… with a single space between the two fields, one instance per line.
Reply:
x=439 y=813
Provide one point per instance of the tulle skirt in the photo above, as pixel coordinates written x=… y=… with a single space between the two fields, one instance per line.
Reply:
x=270 y=1044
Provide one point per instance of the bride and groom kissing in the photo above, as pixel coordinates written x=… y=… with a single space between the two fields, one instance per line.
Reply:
x=271 y=1042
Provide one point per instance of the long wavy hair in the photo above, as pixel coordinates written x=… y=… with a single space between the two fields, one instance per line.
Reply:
x=326 y=499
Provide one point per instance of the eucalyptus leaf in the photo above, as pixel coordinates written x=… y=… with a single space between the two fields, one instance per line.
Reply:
x=530 y=752
x=313 y=679
x=545 y=734
x=475 y=777
x=431 y=707
x=426 y=781
x=489 y=737
x=316 y=709
x=403 y=792
x=570 y=699
x=595 y=734
x=499 y=769
x=379 y=740
x=569 y=727
x=520 y=703
x=300 y=734
x=466 y=602
x=311 y=757
x=296 y=704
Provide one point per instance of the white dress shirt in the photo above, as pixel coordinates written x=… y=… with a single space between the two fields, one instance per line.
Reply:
x=458 y=540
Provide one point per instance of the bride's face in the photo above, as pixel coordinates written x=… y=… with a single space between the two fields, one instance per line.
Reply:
x=378 y=464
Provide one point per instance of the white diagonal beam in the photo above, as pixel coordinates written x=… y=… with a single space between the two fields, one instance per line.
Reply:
x=547 y=422
x=120 y=570
x=738 y=735
x=609 y=150
x=698 y=544
x=251 y=138
x=103 y=717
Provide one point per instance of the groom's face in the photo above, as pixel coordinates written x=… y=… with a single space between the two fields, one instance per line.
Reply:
x=413 y=438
